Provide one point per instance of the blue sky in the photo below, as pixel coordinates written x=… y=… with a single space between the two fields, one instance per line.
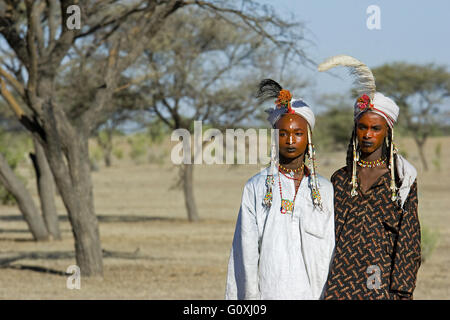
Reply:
x=411 y=30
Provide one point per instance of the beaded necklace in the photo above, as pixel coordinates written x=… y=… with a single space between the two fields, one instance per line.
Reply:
x=371 y=164
x=296 y=179
x=299 y=169
x=287 y=206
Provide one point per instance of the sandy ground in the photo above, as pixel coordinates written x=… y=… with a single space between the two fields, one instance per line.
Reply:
x=152 y=252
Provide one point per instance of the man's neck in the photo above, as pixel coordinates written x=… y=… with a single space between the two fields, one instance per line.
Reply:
x=372 y=156
x=293 y=163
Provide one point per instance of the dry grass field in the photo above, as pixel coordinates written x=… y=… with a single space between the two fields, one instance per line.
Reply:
x=152 y=252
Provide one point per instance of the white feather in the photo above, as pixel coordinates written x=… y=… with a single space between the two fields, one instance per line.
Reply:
x=363 y=75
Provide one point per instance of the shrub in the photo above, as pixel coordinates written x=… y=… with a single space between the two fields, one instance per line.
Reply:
x=437 y=157
x=157 y=132
x=158 y=155
x=139 y=147
x=118 y=153
x=14 y=148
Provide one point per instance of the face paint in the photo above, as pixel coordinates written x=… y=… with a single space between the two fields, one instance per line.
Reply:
x=371 y=130
x=293 y=135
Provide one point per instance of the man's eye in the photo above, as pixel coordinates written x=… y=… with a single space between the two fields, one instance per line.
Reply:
x=299 y=134
x=282 y=134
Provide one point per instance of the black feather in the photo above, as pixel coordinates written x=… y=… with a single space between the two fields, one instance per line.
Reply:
x=267 y=89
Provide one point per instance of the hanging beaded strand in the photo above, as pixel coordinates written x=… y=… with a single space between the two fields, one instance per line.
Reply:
x=268 y=197
x=355 y=160
x=317 y=200
x=391 y=164
x=267 y=200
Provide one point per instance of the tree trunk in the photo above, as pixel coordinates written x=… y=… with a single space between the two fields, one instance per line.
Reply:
x=79 y=202
x=46 y=189
x=188 y=189
x=108 y=147
x=84 y=221
x=24 y=200
x=67 y=153
x=107 y=159
x=420 y=147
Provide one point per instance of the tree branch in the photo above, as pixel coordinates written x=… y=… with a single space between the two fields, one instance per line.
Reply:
x=14 y=40
x=12 y=81
x=103 y=24
x=12 y=102
x=59 y=48
x=255 y=24
x=164 y=119
x=52 y=25
x=32 y=50
x=37 y=26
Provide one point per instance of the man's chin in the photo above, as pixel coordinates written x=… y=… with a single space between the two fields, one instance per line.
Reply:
x=368 y=150
x=290 y=155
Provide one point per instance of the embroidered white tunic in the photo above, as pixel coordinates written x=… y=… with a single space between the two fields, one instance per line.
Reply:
x=281 y=256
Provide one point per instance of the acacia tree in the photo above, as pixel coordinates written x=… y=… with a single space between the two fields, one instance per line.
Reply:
x=204 y=68
x=39 y=37
x=420 y=92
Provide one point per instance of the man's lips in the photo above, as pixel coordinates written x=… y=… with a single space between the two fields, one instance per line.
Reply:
x=367 y=144
x=290 y=150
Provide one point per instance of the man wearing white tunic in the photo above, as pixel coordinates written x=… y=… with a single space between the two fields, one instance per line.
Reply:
x=284 y=238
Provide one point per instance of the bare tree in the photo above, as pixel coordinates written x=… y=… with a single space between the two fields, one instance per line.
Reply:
x=207 y=69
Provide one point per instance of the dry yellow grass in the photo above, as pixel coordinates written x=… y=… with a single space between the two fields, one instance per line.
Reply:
x=176 y=259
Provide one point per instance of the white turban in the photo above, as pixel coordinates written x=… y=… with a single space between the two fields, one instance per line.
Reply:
x=382 y=105
x=299 y=106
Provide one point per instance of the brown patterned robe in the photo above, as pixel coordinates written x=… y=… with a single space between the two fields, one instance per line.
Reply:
x=372 y=230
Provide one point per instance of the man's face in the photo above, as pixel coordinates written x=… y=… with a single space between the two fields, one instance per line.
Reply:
x=293 y=135
x=371 y=130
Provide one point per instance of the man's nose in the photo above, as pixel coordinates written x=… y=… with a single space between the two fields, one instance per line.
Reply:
x=290 y=139
x=367 y=134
